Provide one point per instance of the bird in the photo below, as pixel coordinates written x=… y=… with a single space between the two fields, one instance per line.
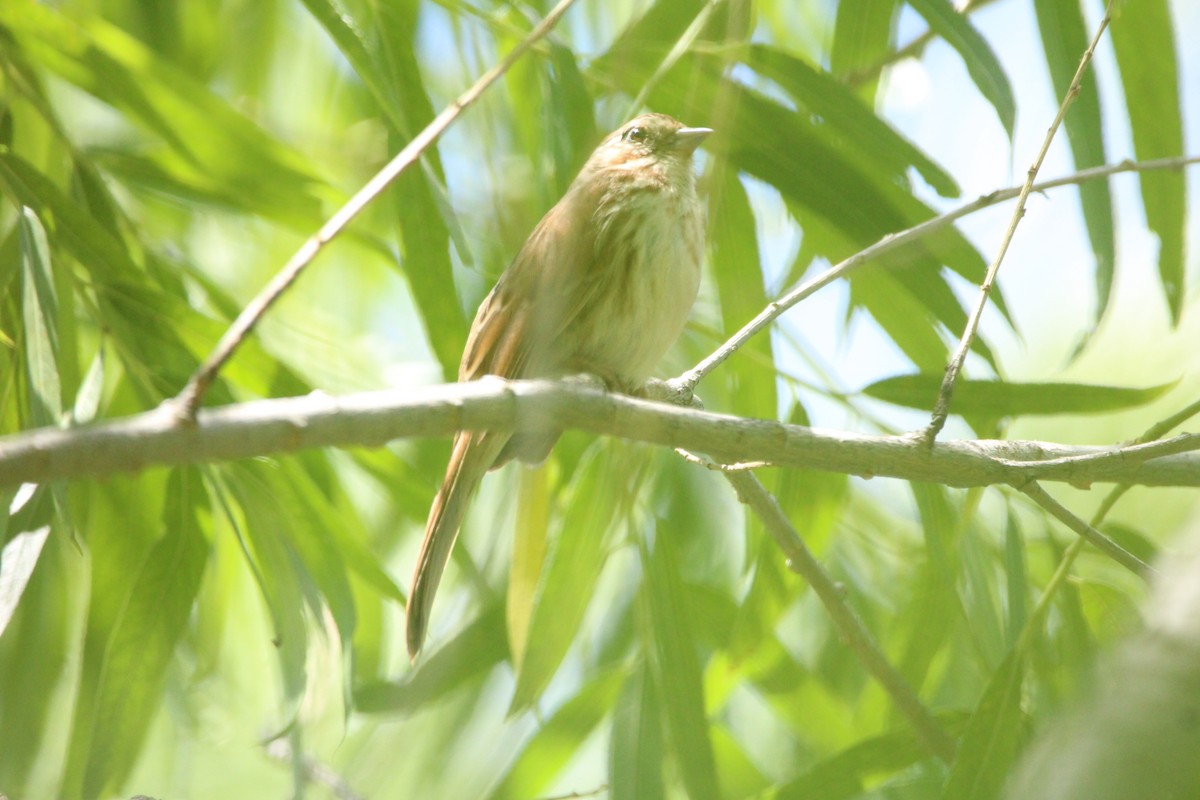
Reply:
x=602 y=287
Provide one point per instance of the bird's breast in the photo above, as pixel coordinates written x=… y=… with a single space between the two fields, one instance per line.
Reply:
x=649 y=247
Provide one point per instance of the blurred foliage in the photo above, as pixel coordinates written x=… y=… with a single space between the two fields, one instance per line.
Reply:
x=159 y=160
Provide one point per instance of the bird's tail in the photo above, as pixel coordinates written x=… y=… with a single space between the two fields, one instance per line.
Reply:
x=470 y=459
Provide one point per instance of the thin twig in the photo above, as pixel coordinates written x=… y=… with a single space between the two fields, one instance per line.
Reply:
x=851 y=629
x=715 y=466
x=599 y=790
x=941 y=408
x=1060 y=512
x=1116 y=493
x=1170 y=423
x=688 y=381
x=188 y=400
x=312 y=770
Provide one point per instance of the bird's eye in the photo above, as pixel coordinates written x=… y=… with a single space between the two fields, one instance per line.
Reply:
x=635 y=134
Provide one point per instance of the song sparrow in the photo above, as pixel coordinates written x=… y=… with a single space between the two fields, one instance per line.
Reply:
x=602 y=286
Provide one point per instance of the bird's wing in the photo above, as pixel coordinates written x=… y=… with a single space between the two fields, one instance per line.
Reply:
x=520 y=323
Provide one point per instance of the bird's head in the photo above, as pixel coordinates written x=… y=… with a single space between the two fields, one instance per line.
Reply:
x=654 y=142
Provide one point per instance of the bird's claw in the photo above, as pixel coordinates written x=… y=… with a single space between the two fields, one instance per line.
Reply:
x=676 y=392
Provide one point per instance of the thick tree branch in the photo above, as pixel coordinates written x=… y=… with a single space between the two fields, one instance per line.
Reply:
x=266 y=427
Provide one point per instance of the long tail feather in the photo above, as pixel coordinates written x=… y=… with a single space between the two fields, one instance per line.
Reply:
x=470 y=459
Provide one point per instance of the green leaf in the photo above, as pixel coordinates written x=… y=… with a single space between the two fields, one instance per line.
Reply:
x=989 y=745
x=902 y=317
x=736 y=265
x=850 y=121
x=602 y=485
x=23 y=547
x=996 y=399
x=528 y=555
x=142 y=640
x=73 y=227
x=1064 y=38
x=423 y=211
x=635 y=748
x=1144 y=41
x=1017 y=575
x=473 y=652
x=91 y=390
x=38 y=643
x=676 y=667
x=210 y=143
x=848 y=773
x=862 y=33
x=41 y=318
x=559 y=739
x=981 y=62
x=283 y=586
x=928 y=620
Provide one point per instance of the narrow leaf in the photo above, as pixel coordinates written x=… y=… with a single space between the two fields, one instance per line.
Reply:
x=472 y=652
x=1144 y=41
x=676 y=668
x=994 y=399
x=863 y=132
x=577 y=553
x=735 y=263
x=142 y=641
x=862 y=33
x=1064 y=38
x=635 y=750
x=981 y=62
x=560 y=739
x=21 y=550
x=989 y=745
x=528 y=554
x=40 y=303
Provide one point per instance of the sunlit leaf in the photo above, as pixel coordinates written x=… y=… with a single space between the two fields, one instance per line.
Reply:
x=996 y=399
x=559 y=739
x=989 y=744
x=1143 y=38
x=676 y=669
x=600 y=488
x=861 y=34
x=209 y=140
x=41 y=317
x=738 y=270
x=981 y=62
x=142 y=641
x=635 y=750
x=851 y=122
x=472 y=652
x=1064 y=38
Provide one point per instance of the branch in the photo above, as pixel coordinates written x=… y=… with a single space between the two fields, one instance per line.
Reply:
x=687 y=381
x=188 y=400
x=853 y=632
x=371 y=419
x=941 y=408
x=1086 y=531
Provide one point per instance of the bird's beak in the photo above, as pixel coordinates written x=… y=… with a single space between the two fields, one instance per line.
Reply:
x=688 y=139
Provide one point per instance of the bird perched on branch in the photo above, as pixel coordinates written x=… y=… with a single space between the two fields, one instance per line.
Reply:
x=603 y=286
